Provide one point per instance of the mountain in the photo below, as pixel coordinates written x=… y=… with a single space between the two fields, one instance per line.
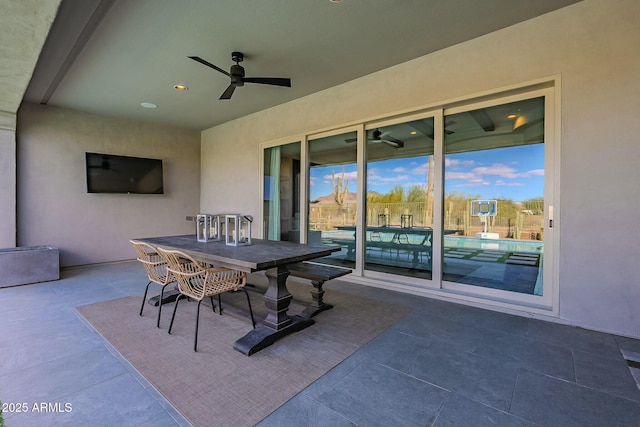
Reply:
x=351 y=198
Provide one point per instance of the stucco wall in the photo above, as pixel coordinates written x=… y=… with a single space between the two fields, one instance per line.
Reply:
x=8 y=185
x=24 y=26
x=593 y=46
x=54 y=207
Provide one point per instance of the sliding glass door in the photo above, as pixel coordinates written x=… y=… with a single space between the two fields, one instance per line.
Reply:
x=332 y=204
x=494 y=198
x=399 y=198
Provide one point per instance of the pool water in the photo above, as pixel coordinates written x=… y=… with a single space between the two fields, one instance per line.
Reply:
x=499 y=245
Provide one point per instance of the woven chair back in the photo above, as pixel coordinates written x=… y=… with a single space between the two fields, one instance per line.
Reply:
x=199 y=281
x=154 y=264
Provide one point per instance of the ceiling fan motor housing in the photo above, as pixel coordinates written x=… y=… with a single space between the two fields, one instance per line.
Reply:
x=237 y=75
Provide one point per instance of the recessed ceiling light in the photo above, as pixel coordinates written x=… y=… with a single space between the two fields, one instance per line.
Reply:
x=413 y=132
x=180 y=87
x=335 y=1
x=149 y=105
x=512 y=116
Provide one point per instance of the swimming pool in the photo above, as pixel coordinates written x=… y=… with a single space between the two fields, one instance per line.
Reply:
x=506 y=245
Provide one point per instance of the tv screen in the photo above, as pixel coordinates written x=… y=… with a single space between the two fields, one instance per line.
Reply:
x=108 y=173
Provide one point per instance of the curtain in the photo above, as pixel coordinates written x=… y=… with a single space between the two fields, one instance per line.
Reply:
x=274 y=195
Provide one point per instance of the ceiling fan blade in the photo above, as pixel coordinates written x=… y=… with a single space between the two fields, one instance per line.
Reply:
x=398 y=143
x=208 y=64
x=393 y=142
x=275 y=81
x=228 y=92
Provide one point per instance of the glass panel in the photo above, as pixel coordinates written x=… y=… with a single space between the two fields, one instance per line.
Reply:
x=281 y=205
x=332 y=195
x=399 y=213
x=494 y=197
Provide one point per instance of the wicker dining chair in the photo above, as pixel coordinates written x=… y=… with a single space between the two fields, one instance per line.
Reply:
x=156 y=268
x=200 y=281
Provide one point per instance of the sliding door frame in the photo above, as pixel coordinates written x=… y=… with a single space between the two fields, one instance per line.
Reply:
x=547 y=304
x=551 y=207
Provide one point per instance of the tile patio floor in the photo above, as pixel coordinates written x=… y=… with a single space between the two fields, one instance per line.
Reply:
x=444 y=364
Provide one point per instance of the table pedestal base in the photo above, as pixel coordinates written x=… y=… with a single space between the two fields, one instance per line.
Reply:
x=312 y=310
x=317 y=304
x=262 y=336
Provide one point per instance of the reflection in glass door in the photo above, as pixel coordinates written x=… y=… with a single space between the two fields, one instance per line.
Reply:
x=400 y=190
x=494 y=197
x=332 y=206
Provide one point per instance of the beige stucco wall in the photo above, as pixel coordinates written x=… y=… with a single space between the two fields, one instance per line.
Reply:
x=593 y=46
x=8 y=184
x=54 y=207
x=24 y=25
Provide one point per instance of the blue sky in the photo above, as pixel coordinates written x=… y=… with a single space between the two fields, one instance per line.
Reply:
x=516 y=173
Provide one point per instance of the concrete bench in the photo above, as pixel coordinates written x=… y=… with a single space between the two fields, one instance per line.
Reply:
x=318 y=274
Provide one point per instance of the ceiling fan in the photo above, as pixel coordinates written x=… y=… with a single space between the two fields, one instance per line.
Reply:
x=237 y=75
x=378 y=136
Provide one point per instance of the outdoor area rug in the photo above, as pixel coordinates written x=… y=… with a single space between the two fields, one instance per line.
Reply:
x=218 y=386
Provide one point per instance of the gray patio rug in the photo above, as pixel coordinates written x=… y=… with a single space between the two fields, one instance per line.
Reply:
x=218 y=386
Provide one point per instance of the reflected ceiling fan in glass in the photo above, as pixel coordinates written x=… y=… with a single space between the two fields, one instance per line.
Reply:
x=377 y=136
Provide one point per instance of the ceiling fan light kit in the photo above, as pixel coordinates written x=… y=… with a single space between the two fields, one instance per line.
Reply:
x=237 y=75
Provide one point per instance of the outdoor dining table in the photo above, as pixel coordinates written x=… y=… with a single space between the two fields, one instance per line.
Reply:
x=271 y=256
x=399 y=239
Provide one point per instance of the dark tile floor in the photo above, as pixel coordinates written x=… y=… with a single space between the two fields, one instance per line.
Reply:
x=447 y=364
x=444 y=364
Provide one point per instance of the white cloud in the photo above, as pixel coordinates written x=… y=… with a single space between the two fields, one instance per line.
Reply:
x=452 y=163
x=502 y=183
x=479 y=176
x=496 y=169
x=379 y=180
x=475 y=183
x=505 y=171
x=460 y=175
x=535 y=172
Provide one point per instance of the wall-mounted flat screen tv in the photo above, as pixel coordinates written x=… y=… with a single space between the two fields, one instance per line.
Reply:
x=108 y=173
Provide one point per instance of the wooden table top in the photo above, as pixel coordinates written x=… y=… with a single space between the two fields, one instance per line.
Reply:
x=260 y=255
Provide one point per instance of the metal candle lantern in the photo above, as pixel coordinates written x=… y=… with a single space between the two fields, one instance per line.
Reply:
x=203 y=226
x=216 y=227
x=208 y=227
x=237 y=230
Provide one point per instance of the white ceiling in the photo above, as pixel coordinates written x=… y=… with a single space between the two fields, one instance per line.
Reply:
x=109 y=56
